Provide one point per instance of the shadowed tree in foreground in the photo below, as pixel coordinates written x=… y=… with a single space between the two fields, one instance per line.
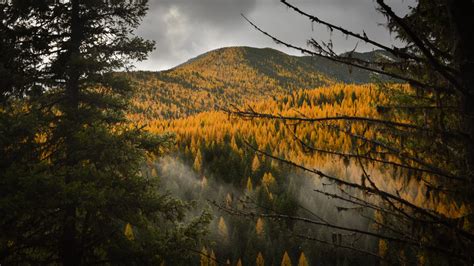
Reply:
x=74 y=189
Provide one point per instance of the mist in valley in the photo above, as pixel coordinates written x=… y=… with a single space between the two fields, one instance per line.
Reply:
x=237 y=236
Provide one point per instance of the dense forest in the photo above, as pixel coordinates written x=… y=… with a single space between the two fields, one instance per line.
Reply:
x=241 y=155
x=211 y=154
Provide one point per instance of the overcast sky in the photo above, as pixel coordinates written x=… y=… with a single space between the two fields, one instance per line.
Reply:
x=184 y=29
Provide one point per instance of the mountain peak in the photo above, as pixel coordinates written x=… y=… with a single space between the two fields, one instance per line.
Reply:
x=231 y=54
x=271 y=62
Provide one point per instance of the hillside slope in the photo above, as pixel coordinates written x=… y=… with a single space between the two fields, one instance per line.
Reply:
x=232 y=76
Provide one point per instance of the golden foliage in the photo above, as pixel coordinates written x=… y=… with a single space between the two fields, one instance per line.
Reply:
x=218 y=78
x=204 y=257
x=268 y=180
x=249 y=184
x=383 y=248
x=228 y=200
x=302 y=261
x=197 y=162
x=286 y=261
x=259 y=227
x=260 y=261
x=212 y=260
x=203 y=182
x=222 y=229
x=128 y=232
x=208 y=128
x=255 y=163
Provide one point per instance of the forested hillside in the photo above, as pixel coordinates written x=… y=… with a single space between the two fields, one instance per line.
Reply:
x=234 y=76
x=214 y=158
x=239 y=156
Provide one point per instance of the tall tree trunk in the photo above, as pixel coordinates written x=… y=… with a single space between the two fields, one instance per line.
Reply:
x=70 y=252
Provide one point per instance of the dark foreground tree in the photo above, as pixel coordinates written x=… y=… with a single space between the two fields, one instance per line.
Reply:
x=73 y=183
x=424 y=136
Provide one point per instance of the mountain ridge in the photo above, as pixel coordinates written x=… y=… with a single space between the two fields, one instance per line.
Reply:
x=346 y=74
x=233 y=76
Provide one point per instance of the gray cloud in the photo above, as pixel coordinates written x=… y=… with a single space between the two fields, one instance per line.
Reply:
x=186 y=28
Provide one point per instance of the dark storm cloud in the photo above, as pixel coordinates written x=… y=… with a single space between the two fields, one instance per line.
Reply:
x=186 y=28
x=222 y=12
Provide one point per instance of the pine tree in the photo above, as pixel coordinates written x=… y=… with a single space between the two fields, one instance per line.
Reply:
x=72 y=191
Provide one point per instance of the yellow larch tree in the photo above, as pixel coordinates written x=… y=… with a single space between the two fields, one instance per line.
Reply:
x=197 y=161
x=259 y=227
x=249 y=184
x=260 y=261
x=286 y=261
x=255 y=163
x=210 y=128
x=228 y=200
x=302 y=261
x=268 y=179
x=383 y=248
x=222 y=229
x=128 y=232
x=204 y=257
x=213 y=260
x=203 y=182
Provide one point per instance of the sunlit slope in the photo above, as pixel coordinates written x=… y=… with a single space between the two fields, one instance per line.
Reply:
x=220 y=78
x=234 y=76
x=200 y=136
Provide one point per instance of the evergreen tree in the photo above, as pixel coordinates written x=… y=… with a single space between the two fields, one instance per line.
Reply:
x=72 y=179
